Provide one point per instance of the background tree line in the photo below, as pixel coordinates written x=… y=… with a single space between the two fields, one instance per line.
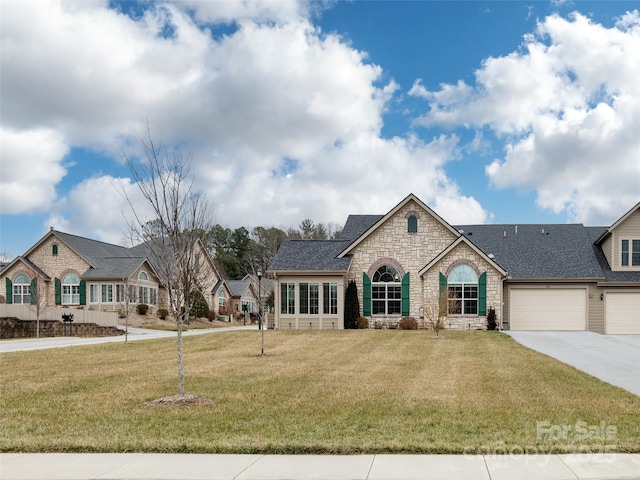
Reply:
x=239 y=252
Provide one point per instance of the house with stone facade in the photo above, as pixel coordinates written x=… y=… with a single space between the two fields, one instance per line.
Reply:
x=244 y=298
x=71 y=271
x=405 y=262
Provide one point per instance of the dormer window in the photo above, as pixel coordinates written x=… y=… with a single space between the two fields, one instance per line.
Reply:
x=630 y=253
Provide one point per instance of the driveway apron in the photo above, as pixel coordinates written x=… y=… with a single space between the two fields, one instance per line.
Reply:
x=614 y=359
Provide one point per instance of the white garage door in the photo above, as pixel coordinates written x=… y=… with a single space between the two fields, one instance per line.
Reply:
x=622 y=313
x=548 y=309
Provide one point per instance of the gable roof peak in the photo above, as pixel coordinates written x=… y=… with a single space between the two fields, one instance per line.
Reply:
x=609 y=230
x=408 y=199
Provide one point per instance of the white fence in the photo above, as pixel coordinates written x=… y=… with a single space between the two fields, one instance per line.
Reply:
x=25 y=312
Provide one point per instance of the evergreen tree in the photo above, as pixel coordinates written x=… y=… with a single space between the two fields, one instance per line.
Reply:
x=351 y=306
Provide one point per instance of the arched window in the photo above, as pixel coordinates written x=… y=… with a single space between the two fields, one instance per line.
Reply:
x=70 y=289
x=412 y=224
x=21 y=289
x=54 y=249
x=463 y=290
x=221 y=298
x=386 y=291
x=143 y=276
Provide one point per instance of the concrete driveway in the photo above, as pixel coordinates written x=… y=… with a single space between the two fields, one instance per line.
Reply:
x=614 y=359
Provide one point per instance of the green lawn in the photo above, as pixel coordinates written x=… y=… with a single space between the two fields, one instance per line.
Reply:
x=314 y=392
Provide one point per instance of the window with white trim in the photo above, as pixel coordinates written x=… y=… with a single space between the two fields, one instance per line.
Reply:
x=107 y=293
x=143 y=276
x=153 y=296
x=143 y=295
x=330 y=298
x=309 y=298
x=120 y=293
x=386 y=291
x=630 y=252
x=221 y=298
x=463 y=290
x=21 y=289
x=94 y=293
x=288 y=298
x=71 y=289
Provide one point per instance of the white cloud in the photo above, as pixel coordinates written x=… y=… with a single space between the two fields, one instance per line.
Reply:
x=568 y=109
x=98 y=207
x=30 y=167
x=283 y=120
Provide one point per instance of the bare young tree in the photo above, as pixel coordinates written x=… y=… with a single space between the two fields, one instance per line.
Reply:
x=435 y=311
x=171 y=239
x=38 y=303
x=123 y=297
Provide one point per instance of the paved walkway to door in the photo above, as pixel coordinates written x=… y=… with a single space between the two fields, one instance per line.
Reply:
x=614 y=359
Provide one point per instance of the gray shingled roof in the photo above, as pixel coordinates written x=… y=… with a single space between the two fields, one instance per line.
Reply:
x=114 y=268
x=538 y=251
x=238 y=287
x=93 y=250
x=110 y=261
x=311 y=255
x=356 y=225
x=562 y=251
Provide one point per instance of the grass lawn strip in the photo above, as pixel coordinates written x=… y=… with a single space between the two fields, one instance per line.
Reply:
x=314 y=392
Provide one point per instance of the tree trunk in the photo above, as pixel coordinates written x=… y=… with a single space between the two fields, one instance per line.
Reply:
x=180 y=364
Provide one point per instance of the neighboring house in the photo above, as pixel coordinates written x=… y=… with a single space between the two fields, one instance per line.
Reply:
x=222 y=296
x=264 y=285
x=242 y=295
x=536 y=277
x=78 y=271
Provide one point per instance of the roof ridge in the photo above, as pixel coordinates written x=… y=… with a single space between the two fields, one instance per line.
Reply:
x=90 y=239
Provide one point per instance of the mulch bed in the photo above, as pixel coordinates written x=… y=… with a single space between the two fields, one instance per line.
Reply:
x=179 y=401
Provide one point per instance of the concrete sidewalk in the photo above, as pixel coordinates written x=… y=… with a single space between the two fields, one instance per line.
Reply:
x=149 y=466
x=26 y=344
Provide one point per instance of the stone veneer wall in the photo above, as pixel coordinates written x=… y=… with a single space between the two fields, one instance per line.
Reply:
x=14 y=328
x=410 y=250
x=431 y=286
x=66 y=261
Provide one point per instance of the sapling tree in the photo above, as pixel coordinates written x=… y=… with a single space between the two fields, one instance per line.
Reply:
x=171 y=237
x=435 y=312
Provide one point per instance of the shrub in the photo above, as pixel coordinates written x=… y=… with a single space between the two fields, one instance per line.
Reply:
x=212 y=315
x=492 y=319
x=199 y=307
x=351 y=306
x=122 y=314
x=362 y=323
x=163 y=313
x=408 y=323
x=142 y=308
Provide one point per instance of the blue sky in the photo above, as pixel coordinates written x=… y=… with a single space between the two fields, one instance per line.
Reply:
x=491 y=112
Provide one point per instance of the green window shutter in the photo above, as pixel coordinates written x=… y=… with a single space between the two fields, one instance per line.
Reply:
x=366 y=295
x=405 y=295
x=58 y=286
x=83 y=292
x=9 y=292
x=482 y=295
x=34 y=291
x=442 y=301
